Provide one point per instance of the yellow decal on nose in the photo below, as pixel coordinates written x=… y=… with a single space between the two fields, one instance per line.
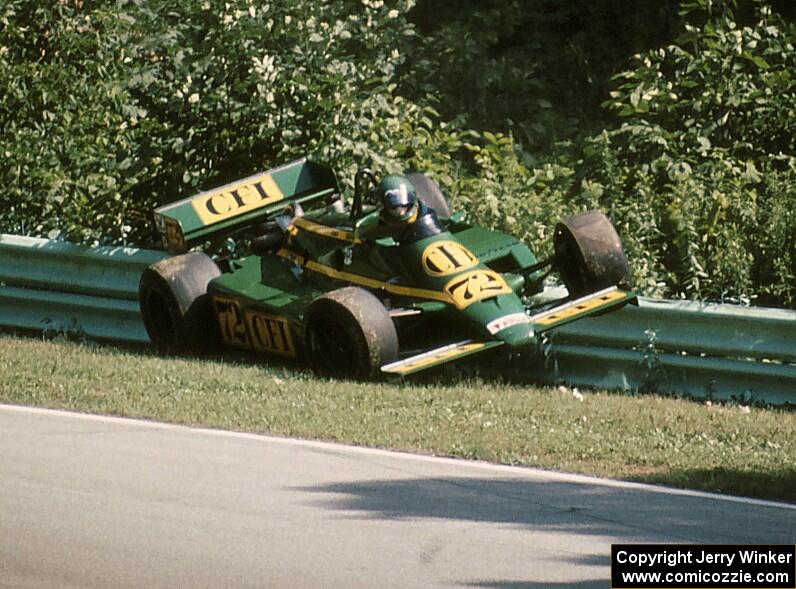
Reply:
x=442 y=258
x=474 y=286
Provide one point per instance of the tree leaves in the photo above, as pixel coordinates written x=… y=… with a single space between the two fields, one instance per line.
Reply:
x=111 y=109
x=709 y=130
x=167 y=98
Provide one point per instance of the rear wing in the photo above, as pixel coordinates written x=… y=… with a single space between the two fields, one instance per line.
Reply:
x=242 y=203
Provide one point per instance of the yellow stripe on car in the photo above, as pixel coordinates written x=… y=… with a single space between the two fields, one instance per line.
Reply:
x=396 y=289
x=325 y=230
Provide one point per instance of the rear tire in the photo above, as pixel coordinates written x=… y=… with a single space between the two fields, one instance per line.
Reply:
x=589 y=253
x=430 y=194
x=349 y=334
x=175 y=307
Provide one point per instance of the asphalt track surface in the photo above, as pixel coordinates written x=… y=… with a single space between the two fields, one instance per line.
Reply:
x=103 y=502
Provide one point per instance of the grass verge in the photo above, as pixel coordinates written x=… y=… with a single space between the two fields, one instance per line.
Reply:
x=647 y=438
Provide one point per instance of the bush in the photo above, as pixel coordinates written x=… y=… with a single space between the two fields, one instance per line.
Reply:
x=700 y=174
x=537 y=68
x=697 y=176
x=112 y=110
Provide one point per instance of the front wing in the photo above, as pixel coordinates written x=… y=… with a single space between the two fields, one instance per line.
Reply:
x=597 y=302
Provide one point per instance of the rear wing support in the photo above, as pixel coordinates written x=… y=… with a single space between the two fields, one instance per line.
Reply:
x=242 y=203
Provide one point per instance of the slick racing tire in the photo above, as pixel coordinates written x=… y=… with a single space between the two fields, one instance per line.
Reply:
x=176 y=309
x=349 y=334
x=429 y=192
x=589 y=253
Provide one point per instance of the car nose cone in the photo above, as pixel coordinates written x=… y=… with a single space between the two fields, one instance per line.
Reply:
x=518 y=335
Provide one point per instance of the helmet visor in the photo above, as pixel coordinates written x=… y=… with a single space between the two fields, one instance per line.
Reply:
x=398 y=197
x=398 y=212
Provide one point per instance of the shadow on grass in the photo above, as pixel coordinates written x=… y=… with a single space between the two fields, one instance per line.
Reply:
x=777 y=486
x=220 y=356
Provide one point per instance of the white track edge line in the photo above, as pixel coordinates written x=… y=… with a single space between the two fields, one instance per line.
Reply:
x=340 y=447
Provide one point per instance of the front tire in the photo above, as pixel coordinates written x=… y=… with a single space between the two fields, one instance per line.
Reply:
x=175 y=307
x=589 y=254
x=349 y=334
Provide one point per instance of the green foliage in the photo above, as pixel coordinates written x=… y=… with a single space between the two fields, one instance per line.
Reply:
x=538 y=68
x=697 y=174
x=504 y=193
x=63 y=137
x=701 y=170
x=111 y=109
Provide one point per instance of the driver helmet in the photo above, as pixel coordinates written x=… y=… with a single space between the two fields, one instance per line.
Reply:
x=398 y=199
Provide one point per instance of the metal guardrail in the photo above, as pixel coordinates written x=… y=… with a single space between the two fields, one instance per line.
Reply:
x=701 y=349
x=61 y=287
x=697 y=328
x=697 y=376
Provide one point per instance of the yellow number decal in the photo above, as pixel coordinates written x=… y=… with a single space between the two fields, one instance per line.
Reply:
x=474 y=286
x=270 y=334
x=447 y=257
x=230 y=320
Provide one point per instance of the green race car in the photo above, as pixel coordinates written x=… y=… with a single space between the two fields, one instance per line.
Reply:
x=354 y=294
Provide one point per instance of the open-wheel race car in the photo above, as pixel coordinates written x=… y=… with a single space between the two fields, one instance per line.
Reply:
x=355 y=291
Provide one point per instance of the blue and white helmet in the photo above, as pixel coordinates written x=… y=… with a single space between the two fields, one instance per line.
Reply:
x=397 y=198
